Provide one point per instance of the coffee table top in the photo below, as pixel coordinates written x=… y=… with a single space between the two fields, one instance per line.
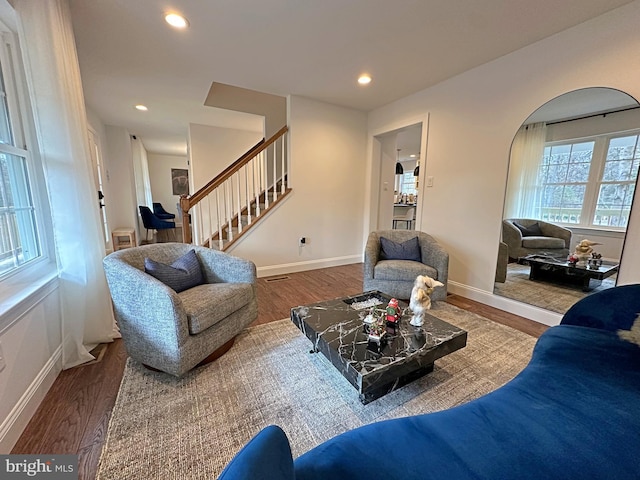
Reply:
x=336 y=328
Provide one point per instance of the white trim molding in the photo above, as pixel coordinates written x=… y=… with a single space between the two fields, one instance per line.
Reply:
x=285 y=268
x=17 y=420
x=536 y=314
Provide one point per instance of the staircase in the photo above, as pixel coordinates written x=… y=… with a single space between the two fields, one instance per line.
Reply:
x=237 y=199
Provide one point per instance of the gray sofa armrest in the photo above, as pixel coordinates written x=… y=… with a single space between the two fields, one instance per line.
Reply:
x=511 y=235
x=221 y=267
x=371 y=255
x=153 y=301
x=435 y=256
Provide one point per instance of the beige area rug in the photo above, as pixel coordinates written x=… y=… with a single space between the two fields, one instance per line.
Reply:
x=189 y=428
x=550 y=296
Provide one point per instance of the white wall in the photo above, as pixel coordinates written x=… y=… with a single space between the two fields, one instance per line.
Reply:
x=472 y=120
x=160 y=175
x=327 y=168
x=30 y=338
x=211 y=150
x=121 y=201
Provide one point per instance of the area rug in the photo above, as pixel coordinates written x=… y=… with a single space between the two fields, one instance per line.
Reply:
x=189 y=428
x=550 y=296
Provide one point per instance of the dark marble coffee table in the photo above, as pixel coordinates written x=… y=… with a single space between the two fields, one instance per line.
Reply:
x=547 y=268
x=336 y=329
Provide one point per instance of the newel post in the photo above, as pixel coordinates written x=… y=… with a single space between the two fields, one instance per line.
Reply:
x=185 y=206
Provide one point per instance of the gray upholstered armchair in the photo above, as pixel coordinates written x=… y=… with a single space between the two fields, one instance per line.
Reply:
x=395 y=277
x=174 y=332
x=552 y=239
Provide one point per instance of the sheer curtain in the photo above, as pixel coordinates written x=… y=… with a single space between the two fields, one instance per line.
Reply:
x=48 y=48
x=523 y=199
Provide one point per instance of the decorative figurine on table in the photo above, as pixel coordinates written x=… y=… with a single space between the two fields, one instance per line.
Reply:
x=583 y=251
x=370 y=318
x=393 y=312
x=377 y=330
x=572 y=259
x=596 y=260
x=420 y=300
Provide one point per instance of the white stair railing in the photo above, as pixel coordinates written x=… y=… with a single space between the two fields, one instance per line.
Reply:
x=240 y=195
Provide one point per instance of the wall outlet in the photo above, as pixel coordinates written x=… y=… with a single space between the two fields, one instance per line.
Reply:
x=302 y=242
x=3 y=363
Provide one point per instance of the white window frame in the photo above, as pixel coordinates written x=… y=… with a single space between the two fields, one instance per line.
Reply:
x=596 y=171
x=25 y=145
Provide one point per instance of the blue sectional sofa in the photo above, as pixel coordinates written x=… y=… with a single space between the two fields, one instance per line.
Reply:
x=572 y=413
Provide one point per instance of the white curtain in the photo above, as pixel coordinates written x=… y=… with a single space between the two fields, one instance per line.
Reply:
x=523 y=198
x=51 y=63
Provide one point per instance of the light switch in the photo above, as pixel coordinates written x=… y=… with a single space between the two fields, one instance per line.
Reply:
x=429 y=181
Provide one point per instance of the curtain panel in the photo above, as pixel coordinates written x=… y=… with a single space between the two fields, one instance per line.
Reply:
x=48 y=48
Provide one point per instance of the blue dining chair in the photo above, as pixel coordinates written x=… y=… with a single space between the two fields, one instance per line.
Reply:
x=153 y=222
x=161 y=213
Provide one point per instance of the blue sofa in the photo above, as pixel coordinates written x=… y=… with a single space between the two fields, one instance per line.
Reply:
x=572 y=413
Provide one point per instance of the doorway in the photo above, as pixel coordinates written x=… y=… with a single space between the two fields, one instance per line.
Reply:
x=395 y=182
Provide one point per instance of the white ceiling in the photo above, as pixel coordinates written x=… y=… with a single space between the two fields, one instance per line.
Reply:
x=316 y=49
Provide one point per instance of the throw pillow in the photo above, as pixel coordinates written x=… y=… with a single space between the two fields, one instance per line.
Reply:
x=181 y=275
x=409 y=250
x=530 y=231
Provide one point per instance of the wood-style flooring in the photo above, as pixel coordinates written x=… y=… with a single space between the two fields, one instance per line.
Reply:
x=74 y=415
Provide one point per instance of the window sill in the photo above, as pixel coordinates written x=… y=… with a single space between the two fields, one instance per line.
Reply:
x=20 y=292
x=602 y=232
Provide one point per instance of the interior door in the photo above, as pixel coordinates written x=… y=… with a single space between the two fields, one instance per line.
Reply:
x=98 y=176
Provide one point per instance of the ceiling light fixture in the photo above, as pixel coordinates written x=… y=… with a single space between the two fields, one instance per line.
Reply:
x=142 y=108
x=364 y=79
x=176 y=20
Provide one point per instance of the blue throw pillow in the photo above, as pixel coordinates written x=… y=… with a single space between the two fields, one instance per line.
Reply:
x=409 y=250
x=181 y=275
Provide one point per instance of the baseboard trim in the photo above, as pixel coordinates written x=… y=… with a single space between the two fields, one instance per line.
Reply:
x=536 y=314
x=17 y=420
x=285 y=268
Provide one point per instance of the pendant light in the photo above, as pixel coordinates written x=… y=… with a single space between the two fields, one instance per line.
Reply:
x=399 y=169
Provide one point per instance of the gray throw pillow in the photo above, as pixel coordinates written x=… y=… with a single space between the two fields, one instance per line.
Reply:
x=530 y=231
x=181 y=275
x=409 y=250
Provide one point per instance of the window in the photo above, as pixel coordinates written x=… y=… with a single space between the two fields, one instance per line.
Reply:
x=19 y=240
x=408 y=183
x=589 y=182
x=617 y=183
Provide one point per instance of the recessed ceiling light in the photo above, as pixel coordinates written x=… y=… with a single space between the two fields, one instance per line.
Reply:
x=412 y=156
x=176 y=20
x=364 y=79
x=141 y=108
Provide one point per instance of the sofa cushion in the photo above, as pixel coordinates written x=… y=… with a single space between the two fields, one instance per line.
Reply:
x=182 y=274
x=402 y=270
x=543 y=242
x=409 y=250
x=532 y=230
x=203 y=313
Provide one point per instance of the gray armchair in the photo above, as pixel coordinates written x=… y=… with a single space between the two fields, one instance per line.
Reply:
x=396 y=277
x=174 y=332
x=555 y=240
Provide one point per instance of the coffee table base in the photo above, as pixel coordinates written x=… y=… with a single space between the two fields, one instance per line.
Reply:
x=380 y=391
x=579 y=278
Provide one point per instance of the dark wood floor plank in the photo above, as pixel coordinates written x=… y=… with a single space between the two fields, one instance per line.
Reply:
x=74 y=415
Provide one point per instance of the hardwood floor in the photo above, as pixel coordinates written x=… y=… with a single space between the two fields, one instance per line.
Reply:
x=74 y=415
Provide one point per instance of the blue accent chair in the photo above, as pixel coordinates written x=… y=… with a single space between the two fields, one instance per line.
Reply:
x=152 y=222
x=161 y=213
x=573 y=412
